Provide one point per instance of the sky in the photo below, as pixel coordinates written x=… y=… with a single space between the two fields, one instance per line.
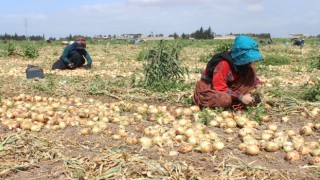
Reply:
x=60 y=18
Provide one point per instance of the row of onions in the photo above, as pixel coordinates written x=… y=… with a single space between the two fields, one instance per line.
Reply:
x=160 y=125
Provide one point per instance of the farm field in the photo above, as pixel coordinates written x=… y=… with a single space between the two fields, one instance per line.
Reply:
x=103 y=124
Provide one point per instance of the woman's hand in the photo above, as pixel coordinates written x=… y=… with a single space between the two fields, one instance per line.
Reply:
x=247 y=99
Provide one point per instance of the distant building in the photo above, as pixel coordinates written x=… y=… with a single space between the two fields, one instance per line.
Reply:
x=225 y=37
x=157 y=38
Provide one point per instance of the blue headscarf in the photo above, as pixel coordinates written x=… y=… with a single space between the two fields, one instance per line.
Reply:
x=245 y=50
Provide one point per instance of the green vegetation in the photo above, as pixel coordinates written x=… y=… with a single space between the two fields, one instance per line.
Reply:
x=46 y=85
x=275 y=60
x=162 y=64
x=31 y=51
x=313 y=93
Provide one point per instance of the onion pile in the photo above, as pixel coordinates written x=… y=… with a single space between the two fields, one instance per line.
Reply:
x=175 y=127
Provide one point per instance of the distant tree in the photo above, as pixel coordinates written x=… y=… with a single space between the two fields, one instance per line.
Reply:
x=70 y=38
x=184 y=36
x=203 y=34
x=174 y=35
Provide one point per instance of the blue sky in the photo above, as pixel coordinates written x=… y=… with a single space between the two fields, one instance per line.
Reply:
x=59 y=18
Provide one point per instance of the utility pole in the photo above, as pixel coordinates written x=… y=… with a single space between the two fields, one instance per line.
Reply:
x=26 y=28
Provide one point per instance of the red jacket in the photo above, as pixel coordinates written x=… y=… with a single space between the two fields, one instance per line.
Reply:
x=222 y=76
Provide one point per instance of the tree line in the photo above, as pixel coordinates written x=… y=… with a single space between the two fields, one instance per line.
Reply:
x=20 y=37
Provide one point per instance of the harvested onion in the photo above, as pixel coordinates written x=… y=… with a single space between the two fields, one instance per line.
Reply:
x=252 y=150
x=292 y=156
x=185 y=148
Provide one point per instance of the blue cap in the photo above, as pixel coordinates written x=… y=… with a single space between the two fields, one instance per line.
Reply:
x=245 y=50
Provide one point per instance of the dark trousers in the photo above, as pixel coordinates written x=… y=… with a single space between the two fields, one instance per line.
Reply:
x=77 y=59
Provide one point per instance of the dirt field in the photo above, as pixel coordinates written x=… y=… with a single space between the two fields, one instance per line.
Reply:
x=104 y=101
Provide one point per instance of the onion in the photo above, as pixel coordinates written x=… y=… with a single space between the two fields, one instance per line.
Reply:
x=180 y=138
x=230 y=123
x=272 y=127
x=304 y=150
x=251 y=124
x=205 y=147
x=132 y=139
x=122 y=132
x=90 y=123
x=158 y=140
x=292 y=156
x=218 y=146
x=13 y=125
x=285 y=119
x=183 y=122
x=55 y=127
x=249 y=140
x=185 y=148
x=173 y=153
x=315 y=161
x=310 y=125
x=291 y=132
x=313 y=113
x=189 y=132
x=226 y=114
x=228 y=131
x=41 y=118
x=193 y=140
x=26 y=125
x=306 y=130
x=265 y=118
x=287 y=146
x=96 y=129
x=62 y=125
x=35 y=128
x=145 y=142
x=116 y=137
x=262 y=144
x=177 y=112
x=242 y=146
x=245 y=131
x=252 y=150
x=213 y=123
x=85 y=131
x=266 y=136
x=315 y=152
x=218 y=119
x=213 y=135
x=223 y=124
x=271 y=146
x=187 y=111
x=312 y=144
x=199 y=126
x=241 y=120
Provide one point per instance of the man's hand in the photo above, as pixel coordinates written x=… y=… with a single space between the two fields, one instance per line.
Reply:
x=71 y=65
x=87 y=67
x=247 y=99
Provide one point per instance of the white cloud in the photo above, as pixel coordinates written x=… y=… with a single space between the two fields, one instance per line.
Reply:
x=254 y=7
x=167 y=16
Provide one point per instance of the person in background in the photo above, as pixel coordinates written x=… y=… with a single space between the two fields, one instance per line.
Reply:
x=230 y=77
x=74 y=56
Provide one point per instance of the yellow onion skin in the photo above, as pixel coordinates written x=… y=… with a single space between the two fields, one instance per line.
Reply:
x=218 y=146
x=252 y=150
x=271 y=146
x=314 y=161
x=292 y=156
x=185 y=148
x=205 y=147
